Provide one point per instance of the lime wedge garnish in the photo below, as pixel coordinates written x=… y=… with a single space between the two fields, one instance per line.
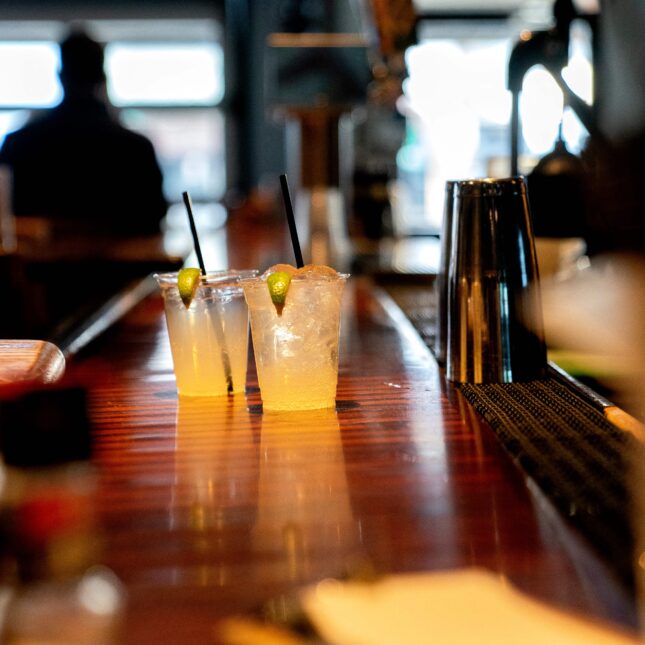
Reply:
x=278 y=284
x=187 y=282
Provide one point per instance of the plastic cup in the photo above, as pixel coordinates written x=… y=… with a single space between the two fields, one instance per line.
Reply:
x=296 y=351
x=209 y=339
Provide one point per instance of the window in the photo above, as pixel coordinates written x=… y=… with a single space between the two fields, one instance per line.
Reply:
x=165 y=74
x=458 y=113
x=165 y=77
x=28 y=74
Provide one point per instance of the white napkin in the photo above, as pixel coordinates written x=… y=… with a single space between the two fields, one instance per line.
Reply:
x=446 y=608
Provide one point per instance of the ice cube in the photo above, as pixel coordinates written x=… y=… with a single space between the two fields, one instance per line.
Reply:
x=317 y=271
x=287 y=268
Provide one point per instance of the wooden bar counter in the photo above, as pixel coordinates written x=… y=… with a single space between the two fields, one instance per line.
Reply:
x=211 y=508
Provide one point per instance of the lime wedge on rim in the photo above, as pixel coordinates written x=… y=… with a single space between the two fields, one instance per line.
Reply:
x=187 y=283
x=278 y=284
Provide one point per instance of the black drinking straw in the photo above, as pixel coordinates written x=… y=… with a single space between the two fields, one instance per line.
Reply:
x=198 y=249
x=291 y=220
x=219 y=332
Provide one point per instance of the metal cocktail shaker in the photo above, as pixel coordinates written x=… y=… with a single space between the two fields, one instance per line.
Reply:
x=441 y=337
x=494 y=320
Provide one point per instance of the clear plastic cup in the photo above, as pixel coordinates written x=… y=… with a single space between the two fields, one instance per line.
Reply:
x=296 y=351
x=209 y=339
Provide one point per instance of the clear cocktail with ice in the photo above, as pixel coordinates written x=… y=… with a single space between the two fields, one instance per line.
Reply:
x=296 y=344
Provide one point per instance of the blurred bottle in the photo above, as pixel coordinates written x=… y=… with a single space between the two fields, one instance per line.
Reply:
x=7 y=219
x=409 y=207
x=53 y=591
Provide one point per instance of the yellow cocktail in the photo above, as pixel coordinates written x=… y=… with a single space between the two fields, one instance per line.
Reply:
x=296 y=346
x=209 y=338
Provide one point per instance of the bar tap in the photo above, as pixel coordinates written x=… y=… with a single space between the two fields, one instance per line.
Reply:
x=549 y=48
x=315 y=80
x=557 y=196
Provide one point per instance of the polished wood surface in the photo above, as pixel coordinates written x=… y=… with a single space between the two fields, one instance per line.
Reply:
x=30 y=361
x=212 y=508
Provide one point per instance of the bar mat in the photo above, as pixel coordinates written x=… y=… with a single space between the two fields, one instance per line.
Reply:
x=577 y=457
x=560 y=440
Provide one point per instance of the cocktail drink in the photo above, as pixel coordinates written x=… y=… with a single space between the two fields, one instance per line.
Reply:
x=208 y=333
x=296 y=342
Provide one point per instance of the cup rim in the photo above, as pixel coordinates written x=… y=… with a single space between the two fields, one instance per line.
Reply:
x=258 y=279
x=491 y=186
x=222 y=278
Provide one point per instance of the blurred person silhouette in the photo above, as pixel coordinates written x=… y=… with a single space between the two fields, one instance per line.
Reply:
x=76 y=162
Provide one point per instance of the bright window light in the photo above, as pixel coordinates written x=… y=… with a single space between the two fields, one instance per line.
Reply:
x=541 y=108
x=11 y=120
x=488 y=94
x=169 y=74
x=579 y=72
x=451 y=97
x=579 y=77
x=28 y=74
x=458 y=112
x=573 y=132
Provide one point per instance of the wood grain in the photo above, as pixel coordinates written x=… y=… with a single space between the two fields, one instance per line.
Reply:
x=210 y=508
x=30 y=361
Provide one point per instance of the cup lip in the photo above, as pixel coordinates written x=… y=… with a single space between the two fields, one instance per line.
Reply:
x=492 y=186
x=259 y=279
x=222 y=278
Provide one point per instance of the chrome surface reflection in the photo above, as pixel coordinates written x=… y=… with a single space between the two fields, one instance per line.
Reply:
x=495 y=327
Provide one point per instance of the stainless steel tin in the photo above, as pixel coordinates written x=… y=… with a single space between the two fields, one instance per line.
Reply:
x=495 y=330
